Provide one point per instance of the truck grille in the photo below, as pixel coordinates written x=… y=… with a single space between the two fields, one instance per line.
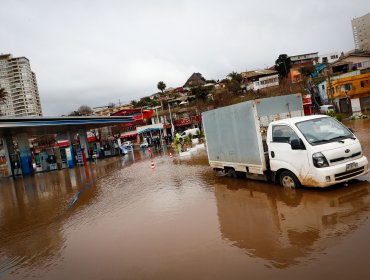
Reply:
x=343 y=158
x=349 y=174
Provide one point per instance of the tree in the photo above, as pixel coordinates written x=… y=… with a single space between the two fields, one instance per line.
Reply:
x=233 y=87
x=74 y=113
x=161 y=86
x=111 y=105
x=235 y=81
x=134 y=103
x=283 y=65
x=85 y=110
x=201 y=92
x=234 y=76
x=144 y=101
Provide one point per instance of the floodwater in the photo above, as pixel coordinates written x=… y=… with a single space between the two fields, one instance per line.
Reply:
x=121 y=219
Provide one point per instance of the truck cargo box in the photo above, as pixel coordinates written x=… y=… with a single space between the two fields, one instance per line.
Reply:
x=235 y=134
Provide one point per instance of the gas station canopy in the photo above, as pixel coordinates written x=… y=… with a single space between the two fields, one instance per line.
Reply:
x=53 y=125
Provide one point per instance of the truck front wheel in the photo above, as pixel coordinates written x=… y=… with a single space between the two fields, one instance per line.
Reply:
x=289 y=180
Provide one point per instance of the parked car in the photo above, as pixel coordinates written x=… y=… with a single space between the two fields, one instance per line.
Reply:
x=324 y=109
x=192 y=131
x=123 y=150
x=144 y=144
x=127 y=144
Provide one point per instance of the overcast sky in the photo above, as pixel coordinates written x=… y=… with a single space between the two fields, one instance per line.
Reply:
x=96 y=52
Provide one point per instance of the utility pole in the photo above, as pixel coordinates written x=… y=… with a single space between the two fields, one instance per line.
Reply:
x=329 y=90
x=160 y=130
x=172 y=128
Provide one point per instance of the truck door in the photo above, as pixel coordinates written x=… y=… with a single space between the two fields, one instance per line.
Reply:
x=281 y=154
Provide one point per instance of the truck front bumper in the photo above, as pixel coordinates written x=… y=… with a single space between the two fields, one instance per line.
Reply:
x=331 y=175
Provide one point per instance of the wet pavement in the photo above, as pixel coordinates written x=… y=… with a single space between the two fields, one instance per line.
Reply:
x=121 y=219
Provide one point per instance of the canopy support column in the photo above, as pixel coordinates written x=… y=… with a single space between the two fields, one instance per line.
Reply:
x=8 y=150
x=69 y=150
x=25 y=154
x=84 y=142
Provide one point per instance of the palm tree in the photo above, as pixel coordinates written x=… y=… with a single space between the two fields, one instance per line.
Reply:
x=234 y=76
x=161 y=86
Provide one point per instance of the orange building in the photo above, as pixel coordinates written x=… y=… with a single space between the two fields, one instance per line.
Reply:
x=351 y=94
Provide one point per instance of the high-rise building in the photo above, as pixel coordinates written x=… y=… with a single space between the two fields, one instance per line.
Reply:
x=361 y=32
x=20 y=84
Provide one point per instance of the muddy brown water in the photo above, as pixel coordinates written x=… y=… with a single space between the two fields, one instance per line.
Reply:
x=119 y=219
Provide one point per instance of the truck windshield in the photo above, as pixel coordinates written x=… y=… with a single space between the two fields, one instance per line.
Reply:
x=323 y=130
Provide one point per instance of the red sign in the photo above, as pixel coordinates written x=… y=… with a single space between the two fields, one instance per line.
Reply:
x=182 y=122
x=91 y=139
x=307 y=100
x=65 y=143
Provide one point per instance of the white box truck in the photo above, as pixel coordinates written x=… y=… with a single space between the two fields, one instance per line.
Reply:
x=271 y=139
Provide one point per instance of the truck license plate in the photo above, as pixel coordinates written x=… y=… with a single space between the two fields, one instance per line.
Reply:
x=351 y=166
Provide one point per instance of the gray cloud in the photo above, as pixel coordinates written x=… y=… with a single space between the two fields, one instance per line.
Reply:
x=96 y=52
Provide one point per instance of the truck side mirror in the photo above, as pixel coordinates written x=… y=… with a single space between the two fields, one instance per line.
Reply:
x=297 y=144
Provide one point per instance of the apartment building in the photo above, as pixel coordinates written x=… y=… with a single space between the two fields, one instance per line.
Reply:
x=20 y=84
x=259 y=79
x=351 y=91
x=328 y=57
x=361 y=32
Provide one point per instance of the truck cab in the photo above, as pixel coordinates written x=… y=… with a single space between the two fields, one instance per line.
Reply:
x=316 y=151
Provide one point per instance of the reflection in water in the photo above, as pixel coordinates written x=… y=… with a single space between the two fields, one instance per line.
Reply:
x=361 y=130
x=282 y=226
x=32 y=210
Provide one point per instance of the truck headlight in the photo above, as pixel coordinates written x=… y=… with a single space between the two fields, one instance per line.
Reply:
x=319 y=160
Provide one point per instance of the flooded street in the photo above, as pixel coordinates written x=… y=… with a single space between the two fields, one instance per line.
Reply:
x=121 y=219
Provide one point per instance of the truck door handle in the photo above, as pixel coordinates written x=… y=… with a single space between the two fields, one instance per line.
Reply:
x=272 y=154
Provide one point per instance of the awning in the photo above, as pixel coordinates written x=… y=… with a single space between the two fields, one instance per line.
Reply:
x=149 y=129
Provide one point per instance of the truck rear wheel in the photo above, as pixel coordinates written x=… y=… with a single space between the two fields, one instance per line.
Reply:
x=289 y=180
x=230 y=172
